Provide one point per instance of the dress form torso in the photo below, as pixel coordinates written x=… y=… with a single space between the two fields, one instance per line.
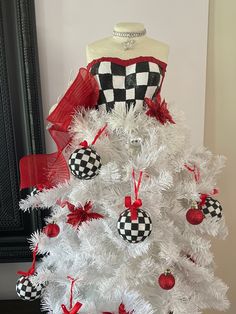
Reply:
x=112 y=46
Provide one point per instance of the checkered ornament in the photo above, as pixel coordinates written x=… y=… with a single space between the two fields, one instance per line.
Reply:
x=84 y=163
x=212 y=208
x=130 y=84
x=34 y=192
x=26 y=291
x=134 y=231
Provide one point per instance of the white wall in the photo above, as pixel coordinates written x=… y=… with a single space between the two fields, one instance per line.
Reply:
x=66 y=26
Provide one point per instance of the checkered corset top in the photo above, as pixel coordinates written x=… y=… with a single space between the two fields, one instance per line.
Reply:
x=127 y=81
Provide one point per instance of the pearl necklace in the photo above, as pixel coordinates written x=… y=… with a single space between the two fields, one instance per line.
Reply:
x=129 y=43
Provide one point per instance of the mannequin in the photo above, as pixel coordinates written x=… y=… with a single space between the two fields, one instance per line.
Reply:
x=116 y=46
x=113 y=46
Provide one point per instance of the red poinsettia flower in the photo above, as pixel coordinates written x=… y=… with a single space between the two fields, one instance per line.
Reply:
x=158 y=109
x=80 y=214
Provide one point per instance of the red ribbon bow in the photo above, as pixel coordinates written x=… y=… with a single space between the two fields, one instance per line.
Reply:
x=84 y=144
x=79 y=214
x=31 y=271
x=138 y=202
x=203 y=197
x=74 y=310
x=158 y=109
x=133 y=206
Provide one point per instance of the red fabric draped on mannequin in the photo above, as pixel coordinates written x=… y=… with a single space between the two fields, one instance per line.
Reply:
x=50 y=169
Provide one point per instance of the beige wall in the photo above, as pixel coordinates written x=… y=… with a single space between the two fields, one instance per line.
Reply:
x=220 y=126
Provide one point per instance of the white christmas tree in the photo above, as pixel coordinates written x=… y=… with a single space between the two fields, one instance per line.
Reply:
x=131 y=224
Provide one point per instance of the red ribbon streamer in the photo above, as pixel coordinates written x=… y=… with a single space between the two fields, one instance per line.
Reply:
x=79 y=215
x=158 y=109
x=31 y=271
x=138 y=202
x=195 y=170
x=73 y=309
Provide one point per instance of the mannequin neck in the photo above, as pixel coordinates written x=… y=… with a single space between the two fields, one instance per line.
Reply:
x=129 y=27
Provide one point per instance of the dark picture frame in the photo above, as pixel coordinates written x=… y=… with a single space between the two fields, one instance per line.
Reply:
x=21 y=123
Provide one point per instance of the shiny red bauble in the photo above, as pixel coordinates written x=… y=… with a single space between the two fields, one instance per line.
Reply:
x=51 y=230
x=194 y=216
x=166 y=280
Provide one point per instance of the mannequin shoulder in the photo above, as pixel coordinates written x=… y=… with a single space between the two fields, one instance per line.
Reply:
x=155 y=48
x=112 y=47
x=98 y=48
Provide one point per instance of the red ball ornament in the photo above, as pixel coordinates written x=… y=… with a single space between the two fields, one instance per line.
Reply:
x=194 y=216
x=166 y=280
x=51 y=230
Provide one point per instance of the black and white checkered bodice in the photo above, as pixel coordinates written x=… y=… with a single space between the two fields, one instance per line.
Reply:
x=127 y=81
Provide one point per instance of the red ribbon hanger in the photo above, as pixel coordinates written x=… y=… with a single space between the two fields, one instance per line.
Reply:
x=73 y=309
x=138 y=202
x=99 y=133
x=195 y=170
x=31 y=271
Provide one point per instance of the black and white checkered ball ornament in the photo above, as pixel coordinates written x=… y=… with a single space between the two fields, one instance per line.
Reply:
x=34 y=191
x=212 y=208
x=84 y=163
x=26 y=291
x=134 y=231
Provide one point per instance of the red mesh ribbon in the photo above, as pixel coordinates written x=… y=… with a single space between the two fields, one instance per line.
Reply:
x=158 y=109
x=60 y=137
x=138 y=202
x=195 y=170
x=83 y=93
x=121 y=310
x=31 y=271
x=203 y=197
x=43 y=169
x=73 y=309
x=79 y=214
x=50 y=169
